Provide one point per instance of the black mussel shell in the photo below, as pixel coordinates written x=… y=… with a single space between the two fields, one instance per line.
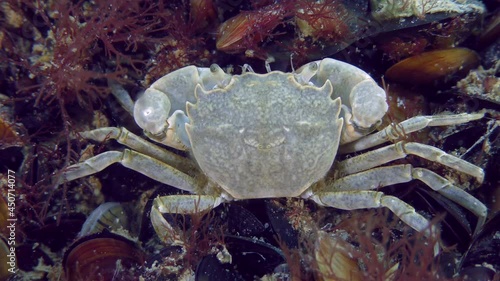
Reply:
x=242 y=222
x=250 y=258
x=281 y=225
x=29 y=257
x=211 y=269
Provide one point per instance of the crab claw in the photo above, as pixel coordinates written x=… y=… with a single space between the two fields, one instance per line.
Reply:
x=151 y=111
x=363 y=101
x=368 y=107
x=160 y=110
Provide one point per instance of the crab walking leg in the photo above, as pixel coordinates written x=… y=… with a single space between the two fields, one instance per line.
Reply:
x=352 y=200
x=456 y=194
x=163 y=229
x=179 y=204
x=131 y=140
x=141 y=163
x=400 y=150
x=391 y=175
x=394 y=132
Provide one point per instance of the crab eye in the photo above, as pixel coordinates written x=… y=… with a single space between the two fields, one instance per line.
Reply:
x=306 y=74
x=214 y=68
x=151 y=111
x=313 y=66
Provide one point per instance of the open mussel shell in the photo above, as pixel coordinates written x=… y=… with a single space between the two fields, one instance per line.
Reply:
x=103 y=256
x=434 y=67
x=110 y=215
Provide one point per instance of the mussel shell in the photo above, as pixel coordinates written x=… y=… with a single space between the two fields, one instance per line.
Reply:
x=4 y=215
x=29 y=256
x=109 y=215
x=287 y=234
x=434 y=67
x=249 y=27
x=211 y=269
x=243 y=222
x=103 y=256
x=250 y=258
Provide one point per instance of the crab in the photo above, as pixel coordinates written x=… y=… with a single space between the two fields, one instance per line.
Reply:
x=276 y=135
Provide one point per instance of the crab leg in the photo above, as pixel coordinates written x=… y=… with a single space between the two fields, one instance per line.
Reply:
x=349 y=200
x=454 y=193
x=391 y=175
x=131 y=140
x=394 y=132
x=179 y=204
x=186 y=204
x=400 y=150
x=139 y=162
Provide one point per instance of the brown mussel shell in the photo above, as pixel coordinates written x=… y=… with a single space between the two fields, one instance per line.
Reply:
x=4 y=214
x=245 y=30
x=433 y=67
x=104 y=256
